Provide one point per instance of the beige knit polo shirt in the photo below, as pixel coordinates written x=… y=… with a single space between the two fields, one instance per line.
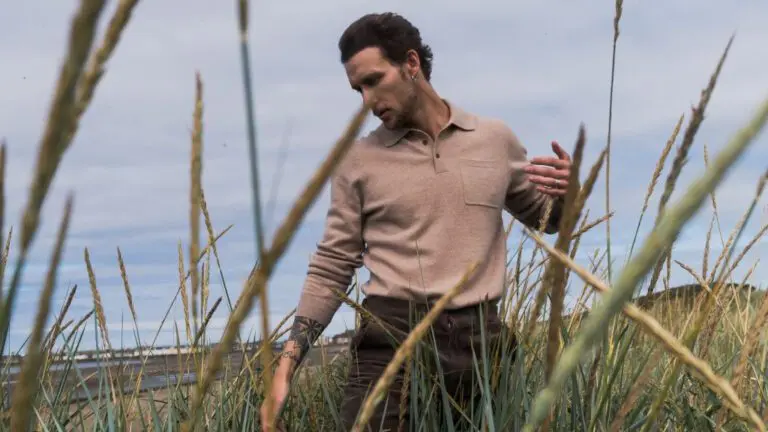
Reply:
x=417 y=213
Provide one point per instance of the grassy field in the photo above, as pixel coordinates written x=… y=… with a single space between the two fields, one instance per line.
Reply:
x=692 y=362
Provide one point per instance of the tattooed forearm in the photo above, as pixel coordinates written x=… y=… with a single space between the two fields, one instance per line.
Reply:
x=304 y=333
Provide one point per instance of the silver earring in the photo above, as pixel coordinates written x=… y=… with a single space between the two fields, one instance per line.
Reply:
x=413 y=77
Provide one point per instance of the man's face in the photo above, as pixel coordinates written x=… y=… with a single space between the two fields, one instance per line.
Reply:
x=387 y=87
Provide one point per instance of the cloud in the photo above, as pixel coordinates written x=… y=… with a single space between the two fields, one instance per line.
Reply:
x=543 y=70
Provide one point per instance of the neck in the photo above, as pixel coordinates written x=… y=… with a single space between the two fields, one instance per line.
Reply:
x=432 y=113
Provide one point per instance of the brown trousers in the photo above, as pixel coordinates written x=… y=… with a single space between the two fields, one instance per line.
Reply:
x=457 y=337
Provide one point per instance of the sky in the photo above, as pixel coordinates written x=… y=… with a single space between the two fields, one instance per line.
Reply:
x=544 y=70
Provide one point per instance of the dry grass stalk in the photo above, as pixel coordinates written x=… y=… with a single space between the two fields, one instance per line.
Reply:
x=51 y=148
x=79 y=324
x=205 y=291
x=405 y=391
x=635 y=391
x=95 y=69
x=266 y=355
x=126 y=286
x=654 y=180
x=27 y=387
x=707 y=244
x=3 y=163
x=57 y=328
x=206 y=320
x=259 y=276
x=546 y=215
x=701 y=303
x=211 y=236
x=649 y=324
x=661 y=162
x=750 y=345
x=364 y=313
x=134 y=316
x=551 y=280
x=64 y=113
x=196 y=173
x=97 y=304
x=4 y=261
x=68 y=104
x=512 y=286
x=725 y=255
x=524 y=294
x=693 y=332
x=697 y=118
x=616 y=20
x=574 y=249
x=581 y=199
x=709 y=330
x=713 y=195
x=583 y=194
x=706 y=290
x=554 y=274
x=758 y=193
x=183 y=292
x=762 y=232
x=680 y=159
x=404 y=350
x=581 y=304
x=100 y=317
x=589 y=226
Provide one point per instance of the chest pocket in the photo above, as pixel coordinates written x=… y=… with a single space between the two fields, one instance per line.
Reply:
x=484 y=182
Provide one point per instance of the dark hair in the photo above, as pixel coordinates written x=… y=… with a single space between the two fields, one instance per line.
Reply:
x=391 y=33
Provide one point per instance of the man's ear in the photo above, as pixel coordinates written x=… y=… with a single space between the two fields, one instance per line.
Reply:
x=412 y=63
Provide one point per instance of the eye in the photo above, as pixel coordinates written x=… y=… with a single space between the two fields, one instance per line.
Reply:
x=372 y=80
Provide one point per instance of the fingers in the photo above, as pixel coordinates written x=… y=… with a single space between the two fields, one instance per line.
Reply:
x=551 y=187
x=551 y=161
x=276 y=423
x=549 y=182
x=550 y=174
x=551 y=192
x=560 y=152
x=562 y=160
x=545 y=171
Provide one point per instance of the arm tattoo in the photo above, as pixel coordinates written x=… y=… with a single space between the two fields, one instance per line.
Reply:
x=304 y=333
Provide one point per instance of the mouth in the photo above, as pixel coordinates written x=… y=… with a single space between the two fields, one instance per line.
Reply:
x=382 y=113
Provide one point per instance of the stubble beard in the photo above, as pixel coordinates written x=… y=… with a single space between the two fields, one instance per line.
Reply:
x=406 y=116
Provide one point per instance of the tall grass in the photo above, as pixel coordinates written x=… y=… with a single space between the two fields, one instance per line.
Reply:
x=610 y=363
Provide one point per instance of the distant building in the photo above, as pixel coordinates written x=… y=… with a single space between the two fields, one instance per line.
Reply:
x=343 y=338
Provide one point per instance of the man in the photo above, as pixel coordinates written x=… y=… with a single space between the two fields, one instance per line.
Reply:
x=416 y=201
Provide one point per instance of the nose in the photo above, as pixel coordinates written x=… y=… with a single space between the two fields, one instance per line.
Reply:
x=368 y=97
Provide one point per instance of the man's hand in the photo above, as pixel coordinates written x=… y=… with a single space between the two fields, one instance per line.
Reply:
x=303 y=334
x=281 y=383
x=550 y=174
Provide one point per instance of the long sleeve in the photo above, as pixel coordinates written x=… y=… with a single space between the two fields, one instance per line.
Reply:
x=338 y=254
x=523 y=200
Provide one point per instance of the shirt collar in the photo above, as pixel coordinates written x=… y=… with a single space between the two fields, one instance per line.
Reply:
x=459 y=118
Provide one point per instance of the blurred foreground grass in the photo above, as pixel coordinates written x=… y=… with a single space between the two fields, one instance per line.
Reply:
x=686 y=359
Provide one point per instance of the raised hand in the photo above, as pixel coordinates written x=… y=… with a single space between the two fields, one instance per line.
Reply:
x=550 y=174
